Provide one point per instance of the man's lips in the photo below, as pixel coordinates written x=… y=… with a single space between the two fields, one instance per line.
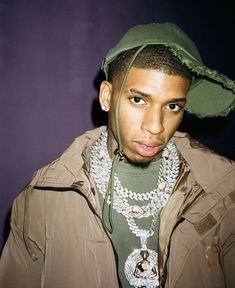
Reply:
x=146 y=150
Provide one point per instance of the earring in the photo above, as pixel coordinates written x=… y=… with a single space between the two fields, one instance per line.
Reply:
x=103 y=107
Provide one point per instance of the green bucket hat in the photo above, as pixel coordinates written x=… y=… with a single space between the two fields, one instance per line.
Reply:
x=211 y=93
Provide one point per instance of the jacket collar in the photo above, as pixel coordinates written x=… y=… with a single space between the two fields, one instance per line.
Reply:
x=65 y=171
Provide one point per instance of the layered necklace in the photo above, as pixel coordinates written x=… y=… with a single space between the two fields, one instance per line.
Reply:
x=141 y=266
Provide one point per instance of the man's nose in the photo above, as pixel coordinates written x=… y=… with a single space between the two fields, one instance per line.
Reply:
x=153 y=121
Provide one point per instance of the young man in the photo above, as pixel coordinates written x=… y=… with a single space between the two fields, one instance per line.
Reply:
x=135 y=204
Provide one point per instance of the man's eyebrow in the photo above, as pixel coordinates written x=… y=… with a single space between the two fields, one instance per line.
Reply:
x=178 y=100
x=132 y=90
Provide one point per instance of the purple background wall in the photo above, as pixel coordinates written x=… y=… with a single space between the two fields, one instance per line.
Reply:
x=50 y=56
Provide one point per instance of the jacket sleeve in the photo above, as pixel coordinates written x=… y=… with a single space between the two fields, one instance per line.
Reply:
x=19 y=266
x=228 y=248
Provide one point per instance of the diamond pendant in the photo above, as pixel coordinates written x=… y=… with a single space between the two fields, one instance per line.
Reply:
x=141 y=266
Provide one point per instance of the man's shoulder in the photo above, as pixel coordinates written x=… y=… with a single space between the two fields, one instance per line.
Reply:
x=207 y=166
x=64 y=170
x=54 y=177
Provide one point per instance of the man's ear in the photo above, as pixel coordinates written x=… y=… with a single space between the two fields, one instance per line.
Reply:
x=105 y=95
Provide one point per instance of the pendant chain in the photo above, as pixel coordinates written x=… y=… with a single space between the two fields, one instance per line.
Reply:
x=141 y=266
x=101 y=166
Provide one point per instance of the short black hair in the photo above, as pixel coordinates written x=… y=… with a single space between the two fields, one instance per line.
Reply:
x=157 y=57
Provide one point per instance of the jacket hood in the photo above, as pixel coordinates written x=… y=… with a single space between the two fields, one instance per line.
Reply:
x=65 y=172
x=211 y=93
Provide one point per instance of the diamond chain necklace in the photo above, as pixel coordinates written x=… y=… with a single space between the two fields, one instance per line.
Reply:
x=141 y=267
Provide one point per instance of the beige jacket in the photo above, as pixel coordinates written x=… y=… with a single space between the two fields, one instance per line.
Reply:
x=57 y=239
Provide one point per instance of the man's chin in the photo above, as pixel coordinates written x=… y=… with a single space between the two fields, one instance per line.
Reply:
x=139 y=162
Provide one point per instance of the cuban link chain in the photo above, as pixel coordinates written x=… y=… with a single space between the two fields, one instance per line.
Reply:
x=141 y=265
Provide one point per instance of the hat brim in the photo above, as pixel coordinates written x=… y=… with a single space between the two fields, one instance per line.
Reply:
x=212 y=94
x=207 y=98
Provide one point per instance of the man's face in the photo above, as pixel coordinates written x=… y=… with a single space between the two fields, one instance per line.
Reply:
x=151 y=108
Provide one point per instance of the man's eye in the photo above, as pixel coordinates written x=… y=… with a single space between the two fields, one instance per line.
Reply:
x=137 y=100
x=174 y=107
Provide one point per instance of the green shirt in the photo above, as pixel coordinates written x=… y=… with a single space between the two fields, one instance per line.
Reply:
x=140 y=180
